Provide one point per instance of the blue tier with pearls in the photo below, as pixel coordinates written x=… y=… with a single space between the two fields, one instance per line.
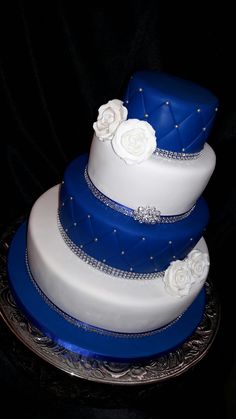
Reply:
x=115 y=242
x=181 y=112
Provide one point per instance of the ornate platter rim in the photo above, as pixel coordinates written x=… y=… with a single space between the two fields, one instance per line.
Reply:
x=158 y=369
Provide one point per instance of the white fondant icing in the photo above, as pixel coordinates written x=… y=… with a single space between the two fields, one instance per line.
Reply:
x=110 y=116
x=89 y=295
x=171 y=186
x=134 y=141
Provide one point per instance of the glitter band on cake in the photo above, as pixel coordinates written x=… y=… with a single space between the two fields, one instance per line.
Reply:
x=88 y=327
x=147 y=215
x=168 y=154
x=101 y=266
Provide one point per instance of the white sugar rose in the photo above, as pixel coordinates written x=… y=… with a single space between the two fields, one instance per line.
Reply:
x=198 y=263
x=177 y=279
x=134 y=141
x=110 y=116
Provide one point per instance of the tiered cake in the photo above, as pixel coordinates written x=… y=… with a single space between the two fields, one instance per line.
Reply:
x=116 y=263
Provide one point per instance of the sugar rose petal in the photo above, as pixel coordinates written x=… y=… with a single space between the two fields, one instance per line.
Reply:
x=110 y=116
x=134 y=141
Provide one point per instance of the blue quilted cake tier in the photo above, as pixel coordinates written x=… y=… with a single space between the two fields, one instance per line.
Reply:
x=116 y=243
x=181 y=112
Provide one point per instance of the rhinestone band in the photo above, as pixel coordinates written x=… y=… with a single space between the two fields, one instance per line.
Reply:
x=101 y=266
x=148 y=215
x=104 y=199
x=176 y=155
x=89 y=327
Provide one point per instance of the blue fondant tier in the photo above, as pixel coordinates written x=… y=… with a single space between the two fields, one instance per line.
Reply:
x=85 y=340
x=181 y=112
x=118 y=240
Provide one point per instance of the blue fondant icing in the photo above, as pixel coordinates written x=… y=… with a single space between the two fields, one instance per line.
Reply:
x=181 y=112
x=86 y=342
x=106 y=234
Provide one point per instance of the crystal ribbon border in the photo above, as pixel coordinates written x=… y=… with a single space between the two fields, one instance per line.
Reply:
x=88 y=327
x=176 y=155
x=101 y=266
x=162 y=219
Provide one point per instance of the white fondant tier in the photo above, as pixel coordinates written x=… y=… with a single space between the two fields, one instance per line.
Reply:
x=170 y=185
x=111 y=303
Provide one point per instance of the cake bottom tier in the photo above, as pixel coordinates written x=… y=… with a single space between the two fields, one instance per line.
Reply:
x=88 y=295
x=61 y=286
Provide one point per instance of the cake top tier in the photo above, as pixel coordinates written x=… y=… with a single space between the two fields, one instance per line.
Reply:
x=181 y=112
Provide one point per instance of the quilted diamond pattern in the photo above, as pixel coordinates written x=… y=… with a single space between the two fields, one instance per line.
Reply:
x=117 y=240
x=182 y=113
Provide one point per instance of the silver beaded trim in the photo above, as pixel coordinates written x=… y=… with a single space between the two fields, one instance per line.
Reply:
x=89 y=327
x=176 y=155
x=147 y=215
x=104 y=199
x=101 y=266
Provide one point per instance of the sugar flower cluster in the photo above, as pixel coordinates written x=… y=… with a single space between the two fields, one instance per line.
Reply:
x=182 y=274
x=133 y=140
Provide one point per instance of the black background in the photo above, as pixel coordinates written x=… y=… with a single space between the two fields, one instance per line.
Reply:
x=58 y=63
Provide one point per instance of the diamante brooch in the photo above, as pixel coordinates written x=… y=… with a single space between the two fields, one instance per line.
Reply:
x=147 y=215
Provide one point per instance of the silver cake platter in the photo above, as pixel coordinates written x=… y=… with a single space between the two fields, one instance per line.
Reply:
x=159 y=369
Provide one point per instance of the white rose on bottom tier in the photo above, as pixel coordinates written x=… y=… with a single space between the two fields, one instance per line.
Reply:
x=134 y=141
x=110 y=116
x=198 y=263
x=177 y=279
